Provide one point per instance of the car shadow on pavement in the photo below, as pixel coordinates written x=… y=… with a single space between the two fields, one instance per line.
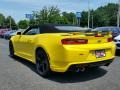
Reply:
x=118 y=53
x=25 y=62
x=73 y=77
x=68 y=77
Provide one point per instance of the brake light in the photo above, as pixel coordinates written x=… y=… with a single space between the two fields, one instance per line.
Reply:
x=99 y=35
x=110 y=39
x=74 y=41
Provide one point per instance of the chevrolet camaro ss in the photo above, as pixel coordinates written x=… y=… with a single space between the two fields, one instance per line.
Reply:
x=61 y=48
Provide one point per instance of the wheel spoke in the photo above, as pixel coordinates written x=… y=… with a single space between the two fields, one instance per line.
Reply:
x=44 y=67
x=11 y=50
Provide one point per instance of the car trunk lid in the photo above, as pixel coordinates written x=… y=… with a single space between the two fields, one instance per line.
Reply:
x=76 y=38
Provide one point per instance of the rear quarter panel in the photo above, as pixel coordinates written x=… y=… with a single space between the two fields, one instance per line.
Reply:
x=51 y=44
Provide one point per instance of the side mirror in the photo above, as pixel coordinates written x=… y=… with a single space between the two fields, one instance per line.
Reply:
x=18 y=33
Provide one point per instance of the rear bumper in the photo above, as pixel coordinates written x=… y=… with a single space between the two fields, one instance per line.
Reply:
x=81 y=55
x=73 y=67
x=88 y=65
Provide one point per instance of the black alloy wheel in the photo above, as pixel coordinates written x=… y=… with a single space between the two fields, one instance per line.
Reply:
x=11 y=49
x=42 y=63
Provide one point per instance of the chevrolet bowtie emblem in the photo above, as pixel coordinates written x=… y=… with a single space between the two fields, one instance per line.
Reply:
x=99 y=41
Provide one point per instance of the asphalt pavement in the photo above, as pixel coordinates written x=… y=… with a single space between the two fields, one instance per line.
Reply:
x=19 y=74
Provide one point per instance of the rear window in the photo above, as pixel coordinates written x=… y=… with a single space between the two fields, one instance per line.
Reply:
x=71 y=28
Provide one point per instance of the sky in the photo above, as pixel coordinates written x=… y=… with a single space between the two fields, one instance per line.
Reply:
x=18 y=8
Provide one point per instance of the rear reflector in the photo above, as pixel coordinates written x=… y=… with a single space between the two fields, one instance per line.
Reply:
x=110 y=39
x=74 y=41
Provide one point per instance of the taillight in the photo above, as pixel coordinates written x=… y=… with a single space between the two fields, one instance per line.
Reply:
x=110 y=39
x=99 y=35
x=74 y=41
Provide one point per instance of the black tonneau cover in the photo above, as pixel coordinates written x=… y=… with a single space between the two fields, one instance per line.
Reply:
x=59 y=28
x=63 y=28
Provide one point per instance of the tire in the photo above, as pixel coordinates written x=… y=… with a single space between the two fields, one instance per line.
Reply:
x=42 y=63
x=11 y=49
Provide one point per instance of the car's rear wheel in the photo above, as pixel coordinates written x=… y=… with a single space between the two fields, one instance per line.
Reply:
x=11 y=49
x=42 y=63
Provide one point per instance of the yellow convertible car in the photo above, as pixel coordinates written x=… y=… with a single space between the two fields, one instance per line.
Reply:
x=62 y=48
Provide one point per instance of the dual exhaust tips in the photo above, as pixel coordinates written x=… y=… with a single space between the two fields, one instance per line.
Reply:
x=82 y=69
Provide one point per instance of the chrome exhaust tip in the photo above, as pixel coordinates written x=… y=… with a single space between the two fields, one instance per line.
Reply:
x=82 y=69
x=77 y=70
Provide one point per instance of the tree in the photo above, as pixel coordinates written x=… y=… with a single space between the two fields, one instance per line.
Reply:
x=107 y=15
x=53 y=15
x=43 y=16
x=23 y=24
x=2 y=20
x=32 y=22
x=9 y=20
x=84 y=19
x=102 y=16
x=112 y=10
x=49 y=15
x=69 y=18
